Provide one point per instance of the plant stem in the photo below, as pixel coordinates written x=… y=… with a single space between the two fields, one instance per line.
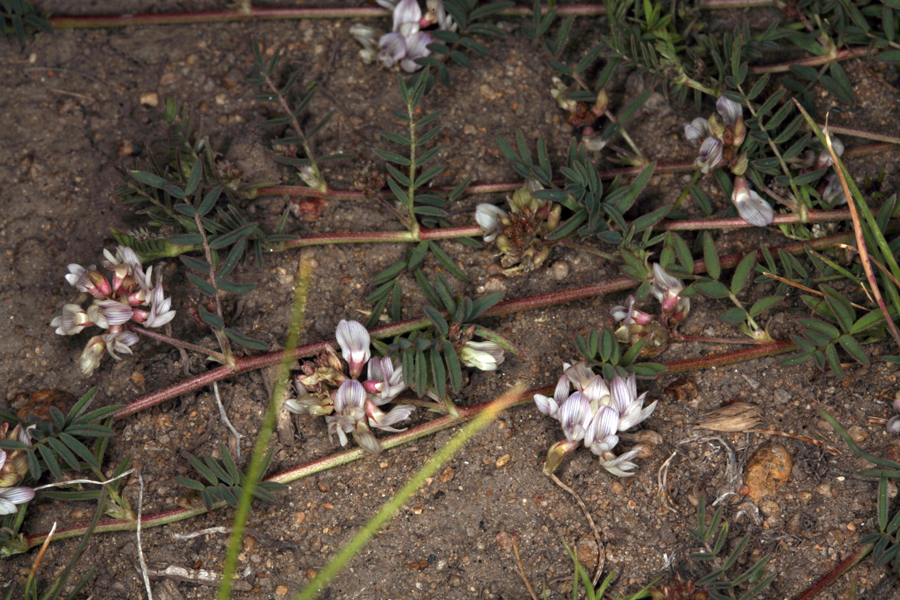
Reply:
x=176 y=342
x=818 y=216
x=378 y=236
x=250 y=363
x=414 y=433
x=320 y=180
x=835 y=573
x=511 y=186
x=813 y=61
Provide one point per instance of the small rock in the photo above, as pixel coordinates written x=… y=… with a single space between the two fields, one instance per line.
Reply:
x=770 y=508
x=588 y=554
x=447 y=475
x=769 y=469
x=857 y=433
x=502 y=461
x=560 y=270
x=486 y=92
x=469 y=129
x=281 y=590
x=781 y=396
x=150 y=99
x=507 y=540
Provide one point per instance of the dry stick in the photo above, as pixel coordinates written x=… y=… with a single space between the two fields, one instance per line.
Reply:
x=601 y=553
x=813 y=61
x=242 y=365
x=807 y=289
x=860 y=240
x=522 y=571
x=794 y=436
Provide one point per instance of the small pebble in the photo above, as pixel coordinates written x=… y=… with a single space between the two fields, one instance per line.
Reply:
x=502 y=460
x=857 y=433
x=150 y=99
x=769 y=469
x=560 y=270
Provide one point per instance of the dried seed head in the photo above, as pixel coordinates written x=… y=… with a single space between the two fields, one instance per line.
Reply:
x=734 y=417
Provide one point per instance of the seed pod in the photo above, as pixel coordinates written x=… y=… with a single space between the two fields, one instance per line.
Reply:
x=738 y=416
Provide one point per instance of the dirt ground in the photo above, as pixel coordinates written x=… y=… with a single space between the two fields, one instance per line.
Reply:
x=70 y=102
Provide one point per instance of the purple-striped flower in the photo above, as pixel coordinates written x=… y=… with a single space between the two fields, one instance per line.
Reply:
x=593 y=415
x=751 y=205
x=129 y=297
x=354 y=341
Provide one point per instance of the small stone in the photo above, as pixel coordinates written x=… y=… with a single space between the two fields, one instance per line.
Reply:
x=770 y=508
x=588 y=553
x=150 y=99
x=447 y=475
x=502 y=461
x=469 y=129
x=857 y=433
x=560 y=270
x=781 y=396
x=486 y=92
x=281 y=590
x=507 y=540
x=769 y=469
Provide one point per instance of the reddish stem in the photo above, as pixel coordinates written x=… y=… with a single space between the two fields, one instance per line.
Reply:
x=835 y=573
x=347 y=456
x=242 y=365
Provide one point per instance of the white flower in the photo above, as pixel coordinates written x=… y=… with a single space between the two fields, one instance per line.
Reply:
x=696 y=130
x=751 y=205
x=159 y=308
x=385 y=379
x=11 y=496
x=73 y=320
x=730 y=110
x=550 y=406
x=354 y=341
x=619 y=465
x=120 y=342
x=575 y=416
x=629 y=405
x=486 y=356
x=490 y=218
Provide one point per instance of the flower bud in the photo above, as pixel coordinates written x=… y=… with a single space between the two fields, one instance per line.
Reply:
x=716 y=126
x=601 y=103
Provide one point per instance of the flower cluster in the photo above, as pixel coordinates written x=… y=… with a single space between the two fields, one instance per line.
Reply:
x=13 y=467
x=519 y=234
x=720 y=138
x=580 y=114
x=130 y=296
x=327 y=387
x=592 y=415
x=636 y=325
x=406 y=42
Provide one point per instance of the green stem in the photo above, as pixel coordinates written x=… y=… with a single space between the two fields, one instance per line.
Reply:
x=397 y=500
x=257 y=462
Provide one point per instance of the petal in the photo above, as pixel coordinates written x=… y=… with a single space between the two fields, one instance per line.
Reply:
x=17 y=495
x=547 y=406
x=350 y=395
x=730 y=110
x=755 y=210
